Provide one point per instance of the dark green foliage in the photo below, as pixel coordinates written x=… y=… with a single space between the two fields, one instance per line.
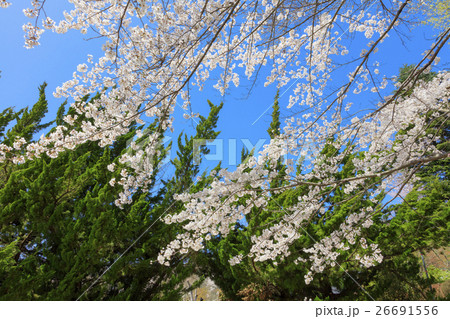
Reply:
x=187 y=161
x=61 y=234
x=274 y=127
x=29 y=122
x=404 y=230
x=6 y=117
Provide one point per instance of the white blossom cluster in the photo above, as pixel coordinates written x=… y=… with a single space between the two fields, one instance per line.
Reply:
x=5 y=150
x=155 y=52
x=4 y=4
x=325 y=253
x=214 y=210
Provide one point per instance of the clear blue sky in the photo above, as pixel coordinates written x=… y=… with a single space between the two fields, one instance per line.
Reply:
x=56 y=59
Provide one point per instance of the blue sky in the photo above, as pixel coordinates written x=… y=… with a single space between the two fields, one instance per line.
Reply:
x=56 y=59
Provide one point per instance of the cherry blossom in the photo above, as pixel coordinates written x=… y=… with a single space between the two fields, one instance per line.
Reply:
x=155 y=52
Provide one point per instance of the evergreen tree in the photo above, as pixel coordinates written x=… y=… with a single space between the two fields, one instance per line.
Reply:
x=62 y=237
x=419 y=223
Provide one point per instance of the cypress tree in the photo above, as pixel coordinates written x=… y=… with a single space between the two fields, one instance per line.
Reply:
x=420 y=222
x=62 y=237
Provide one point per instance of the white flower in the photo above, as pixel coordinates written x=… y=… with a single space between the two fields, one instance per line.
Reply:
x=30 y=13
x=48 y=23
x=4 y=4
x=18 y=143
x=82 y=67
x=367 y=223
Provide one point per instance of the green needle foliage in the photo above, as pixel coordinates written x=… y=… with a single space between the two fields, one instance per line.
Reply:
x=62 y=237
x=402 y=231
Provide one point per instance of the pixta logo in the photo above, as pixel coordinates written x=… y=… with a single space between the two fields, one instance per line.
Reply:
x=228 y=151
x=225 y=150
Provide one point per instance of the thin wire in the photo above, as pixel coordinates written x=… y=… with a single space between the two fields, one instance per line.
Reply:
x=118 y=258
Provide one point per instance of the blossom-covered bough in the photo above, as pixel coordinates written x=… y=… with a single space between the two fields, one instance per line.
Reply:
x=156 y=52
